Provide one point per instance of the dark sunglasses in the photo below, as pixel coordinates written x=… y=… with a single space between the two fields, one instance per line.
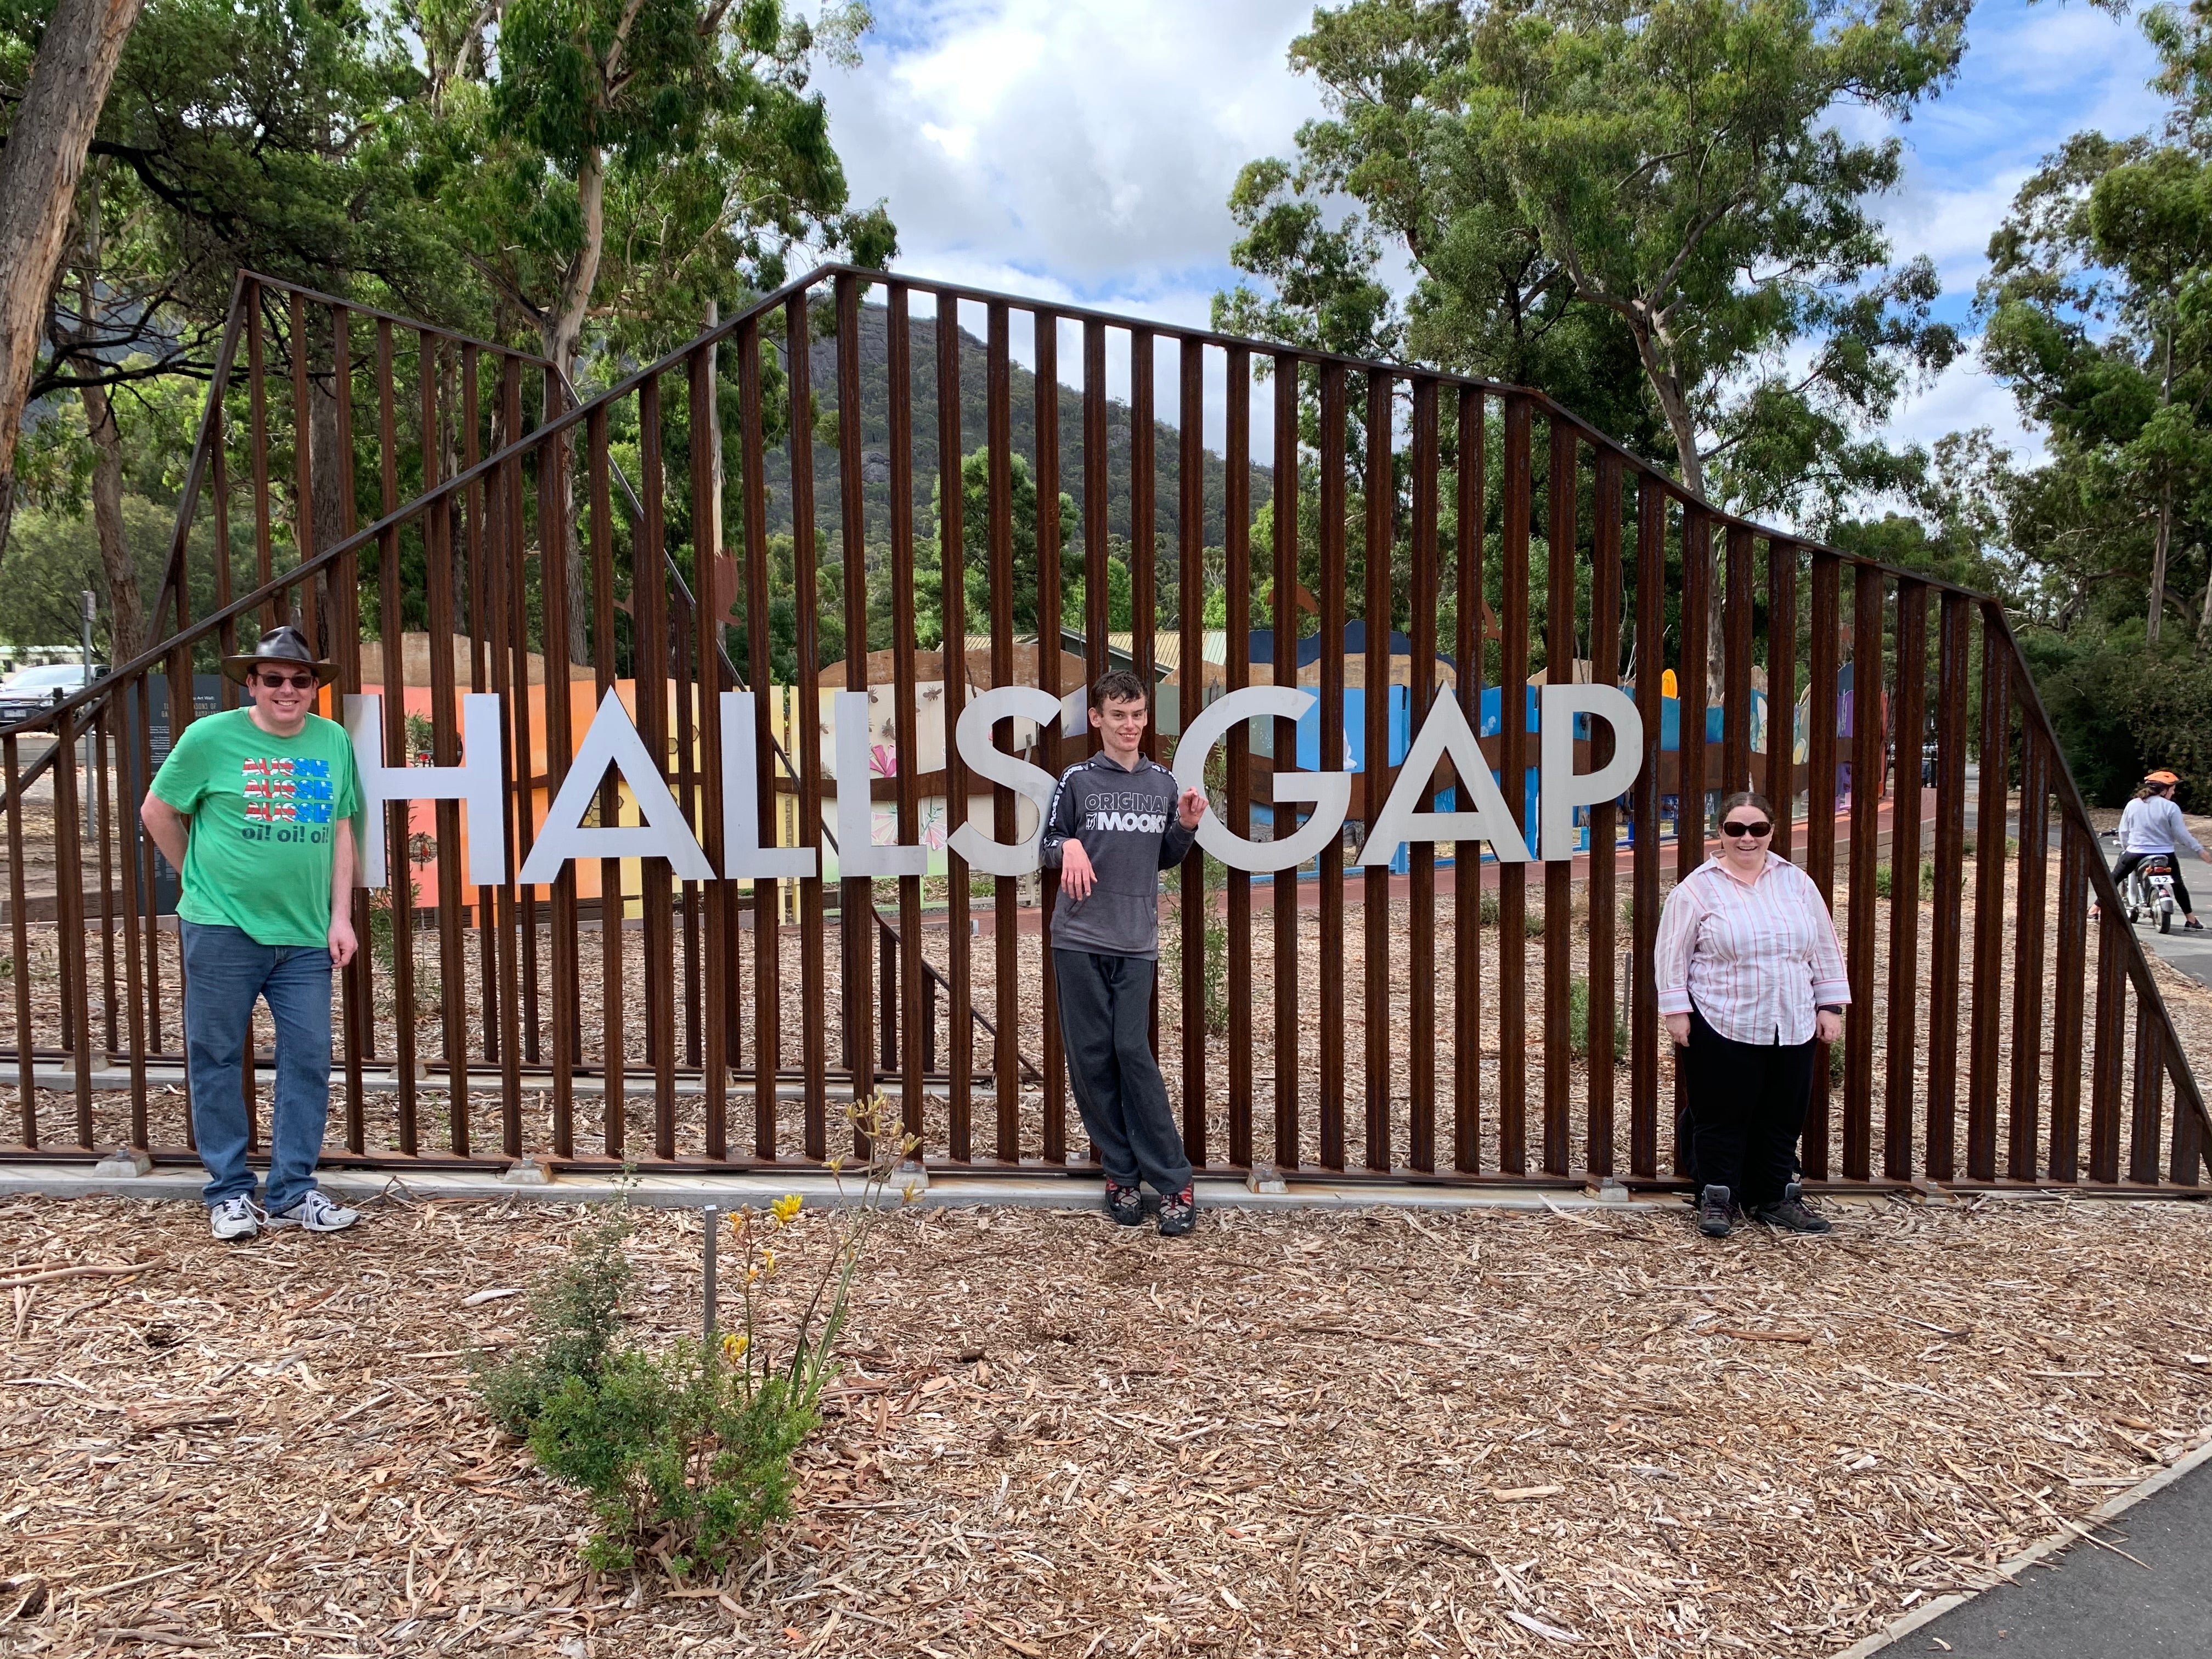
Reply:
x=1738 y=827
x=278 y=682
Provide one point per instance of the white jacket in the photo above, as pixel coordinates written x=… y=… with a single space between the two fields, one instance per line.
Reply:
x=2155 y=824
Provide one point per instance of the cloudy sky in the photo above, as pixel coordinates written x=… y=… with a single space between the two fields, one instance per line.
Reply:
x=1083 y=150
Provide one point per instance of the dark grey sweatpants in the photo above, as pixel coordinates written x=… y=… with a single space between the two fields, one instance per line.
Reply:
x=1105 y=1023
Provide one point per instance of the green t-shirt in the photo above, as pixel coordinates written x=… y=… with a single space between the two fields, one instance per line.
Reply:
x=264 y=812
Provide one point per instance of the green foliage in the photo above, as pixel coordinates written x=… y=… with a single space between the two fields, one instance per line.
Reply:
x=1530 y=155
x=678 y=1449
x=53 y=555
x=1578 y=1023
x=2121 y=710
x=571 y=1323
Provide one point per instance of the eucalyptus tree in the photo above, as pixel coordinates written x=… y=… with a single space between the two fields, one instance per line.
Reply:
x=1577 y=185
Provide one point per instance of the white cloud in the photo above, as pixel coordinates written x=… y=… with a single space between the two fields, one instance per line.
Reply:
x=1075 y=144
x=1963 y=396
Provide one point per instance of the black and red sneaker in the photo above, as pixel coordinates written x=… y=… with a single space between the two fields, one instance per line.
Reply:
x=1179 y=1214
x=1125 y=1205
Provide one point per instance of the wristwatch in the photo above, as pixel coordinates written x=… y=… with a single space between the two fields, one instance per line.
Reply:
x=1836 y=1008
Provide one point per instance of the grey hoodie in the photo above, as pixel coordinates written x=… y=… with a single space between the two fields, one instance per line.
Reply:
x=1127 y=826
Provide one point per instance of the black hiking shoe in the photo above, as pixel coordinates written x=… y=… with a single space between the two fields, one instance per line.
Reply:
x=1125 y=1205
x=1790 y=1213
x=1715 y=1213
x=1178 y=1213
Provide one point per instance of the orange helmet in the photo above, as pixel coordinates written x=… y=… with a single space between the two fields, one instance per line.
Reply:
x=2161 y=777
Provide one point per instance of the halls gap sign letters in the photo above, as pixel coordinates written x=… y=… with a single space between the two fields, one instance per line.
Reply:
x=612 y=740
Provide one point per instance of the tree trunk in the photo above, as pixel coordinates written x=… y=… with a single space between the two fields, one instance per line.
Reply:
x=1690 y=466
x=2160 y=544
x=126 y=610
x=38 y=172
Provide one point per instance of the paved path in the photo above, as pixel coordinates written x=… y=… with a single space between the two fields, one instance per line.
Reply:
x=2091 y=1603
x=2084 y=1602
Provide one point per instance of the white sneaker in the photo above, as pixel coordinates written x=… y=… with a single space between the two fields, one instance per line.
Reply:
x=317 y=1214
x=233 y=1218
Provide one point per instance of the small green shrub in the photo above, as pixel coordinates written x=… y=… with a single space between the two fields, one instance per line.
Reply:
x=1578 y=1023
x=1882 y=881
x=683 y=1450
x=571 y=1320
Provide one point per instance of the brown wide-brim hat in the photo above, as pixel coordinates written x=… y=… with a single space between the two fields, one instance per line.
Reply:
x=280 y=645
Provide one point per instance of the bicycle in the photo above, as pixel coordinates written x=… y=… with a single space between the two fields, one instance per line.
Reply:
x=2147 y=889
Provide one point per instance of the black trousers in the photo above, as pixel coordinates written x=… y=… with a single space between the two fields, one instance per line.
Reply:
x=1105 y=1024
x=1748 y=1103
x=2129 y=861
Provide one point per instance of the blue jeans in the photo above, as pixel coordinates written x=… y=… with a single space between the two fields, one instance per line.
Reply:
x=225 y=970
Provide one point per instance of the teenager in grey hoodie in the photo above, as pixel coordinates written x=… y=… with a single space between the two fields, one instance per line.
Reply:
x=1115 y=821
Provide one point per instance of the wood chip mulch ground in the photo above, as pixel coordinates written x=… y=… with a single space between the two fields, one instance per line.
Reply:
x=1495 y=1432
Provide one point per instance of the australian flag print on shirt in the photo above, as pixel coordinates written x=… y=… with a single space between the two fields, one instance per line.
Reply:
x=287 y=791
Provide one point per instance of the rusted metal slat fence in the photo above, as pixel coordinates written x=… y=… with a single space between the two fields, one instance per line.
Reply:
x=1449 y=1017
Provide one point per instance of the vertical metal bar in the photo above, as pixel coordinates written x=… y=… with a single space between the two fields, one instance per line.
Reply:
x=1513 y=755
x=1694 y=679
x=258 y=404
x=1605 y=670
x=951 y=543
x=2109 y=1051
x=1822 y=694
x=2075 y=852
x=104 y=837
x=1420 y=692
x=1330 y=1030
x=1558 y=873
x=1144 y=543
x=445 y=750
x=648 y=589
x=1190 y=698
x=391 y=631
x=133 y=968
x=483 y=630
x=1377 y=775
x=1735 y=665
x=554 y=675
x=1466 y=855
x=1006 y=959
x=358 y=999
x=713 y=973
x=303 y=473
x=1644 y=1029
x=1910 y=722
x=27 y=1091
x=496 y=544
x=767 y=1002
x=1781 y=689
x=814 y=1030
x=856 y=908
x=2149 y=1100
x=1283 y=757
x=2028 y=923
x=1237 y=536
x=1867 y=604
x=1989 y=904
x=1946 y=914
x=913 y=1012
x=557 y=602
x=614 y=1022
x=1045 y=382
x=69 y=923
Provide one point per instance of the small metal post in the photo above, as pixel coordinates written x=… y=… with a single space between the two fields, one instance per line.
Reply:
x=711 y=1216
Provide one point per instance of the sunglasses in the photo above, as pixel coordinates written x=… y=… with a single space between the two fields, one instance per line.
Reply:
x=1739 y=828
x=278 y=682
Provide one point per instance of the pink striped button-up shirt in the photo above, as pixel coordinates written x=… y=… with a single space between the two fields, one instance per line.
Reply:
x=1756 y=958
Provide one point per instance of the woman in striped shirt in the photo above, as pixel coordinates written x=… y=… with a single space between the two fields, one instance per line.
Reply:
x=1750 y=976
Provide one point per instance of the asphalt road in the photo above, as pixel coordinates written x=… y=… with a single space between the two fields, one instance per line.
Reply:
x=2091 y=1603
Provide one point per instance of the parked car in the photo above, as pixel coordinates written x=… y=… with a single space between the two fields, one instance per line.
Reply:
x=34 y=691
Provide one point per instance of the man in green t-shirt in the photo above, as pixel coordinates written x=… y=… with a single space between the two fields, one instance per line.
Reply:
x=255 y=808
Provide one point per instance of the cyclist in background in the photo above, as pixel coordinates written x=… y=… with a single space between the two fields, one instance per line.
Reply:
x=2152 y=824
